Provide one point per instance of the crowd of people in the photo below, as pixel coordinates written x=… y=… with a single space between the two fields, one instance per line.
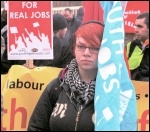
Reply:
x=63 y=30
x=76 y=47
x=64 y=27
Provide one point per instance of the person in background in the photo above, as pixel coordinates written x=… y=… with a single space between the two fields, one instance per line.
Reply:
x=6 y=64
x=2 y=46
x=80 y=14
x=134 y=56
x=134 y=48
x=72 y=25
x=4 y=34
x=74 y=109
x=3 y=18
x=62 y=12
x=143 y=70
x=4 y=27
x=62 y=52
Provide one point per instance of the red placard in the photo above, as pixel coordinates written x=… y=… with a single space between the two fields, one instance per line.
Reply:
x=30 y=31
x=133 y=8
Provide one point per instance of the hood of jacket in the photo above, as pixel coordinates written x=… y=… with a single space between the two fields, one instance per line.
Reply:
x=61 y=75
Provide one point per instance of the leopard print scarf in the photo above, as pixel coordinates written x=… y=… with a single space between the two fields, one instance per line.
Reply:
x=81 y=92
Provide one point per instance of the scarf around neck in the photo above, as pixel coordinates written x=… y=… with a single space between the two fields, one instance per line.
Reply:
x=81 y=92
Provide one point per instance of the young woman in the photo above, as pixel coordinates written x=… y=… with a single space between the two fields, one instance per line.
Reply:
x=74 y=109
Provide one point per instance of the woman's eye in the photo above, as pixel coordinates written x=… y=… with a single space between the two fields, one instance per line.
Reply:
x=81 y=47
x=95 y=49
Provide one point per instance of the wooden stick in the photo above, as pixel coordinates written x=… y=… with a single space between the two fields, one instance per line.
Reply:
x=30 y=64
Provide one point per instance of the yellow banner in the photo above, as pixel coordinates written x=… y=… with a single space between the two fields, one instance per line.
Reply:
x=22 y=87
x=142 y=97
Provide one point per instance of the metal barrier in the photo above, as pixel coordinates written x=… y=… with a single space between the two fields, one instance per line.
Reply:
x=59 y=9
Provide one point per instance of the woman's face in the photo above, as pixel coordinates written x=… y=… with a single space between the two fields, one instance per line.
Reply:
x=86 y=58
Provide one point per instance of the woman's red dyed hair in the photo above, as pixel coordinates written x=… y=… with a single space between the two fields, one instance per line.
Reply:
x=92 y=33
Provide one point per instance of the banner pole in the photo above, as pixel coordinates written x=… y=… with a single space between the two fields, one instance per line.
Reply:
x=29 y=64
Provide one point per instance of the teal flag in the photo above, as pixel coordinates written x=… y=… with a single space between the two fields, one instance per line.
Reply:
x=115 y=97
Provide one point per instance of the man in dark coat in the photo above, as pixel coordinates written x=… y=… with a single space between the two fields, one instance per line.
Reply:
x=62 y=52
x=72 y=25
x=134 y=48
x=143 y=71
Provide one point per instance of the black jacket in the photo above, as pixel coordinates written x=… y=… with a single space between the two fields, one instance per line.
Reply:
x=72 y=26
x=65 y=116
x=62 y=55
x=3 y=22
x=143 y=71
x=6 y=64
x=135 y=43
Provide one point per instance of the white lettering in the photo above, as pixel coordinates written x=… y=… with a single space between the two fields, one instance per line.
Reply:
x=11 y=15
x=29 y=4
x=111 y=12
x=16 y=15
x=107 y=70
x=120 y=42
x=23 y=4
x=132 y=12
x=117 y=30
x=40 y=15
x=112 y=82
x=104 y=55
x=60 y=109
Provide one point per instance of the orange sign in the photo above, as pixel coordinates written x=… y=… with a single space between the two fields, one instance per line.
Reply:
x=142 y=97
